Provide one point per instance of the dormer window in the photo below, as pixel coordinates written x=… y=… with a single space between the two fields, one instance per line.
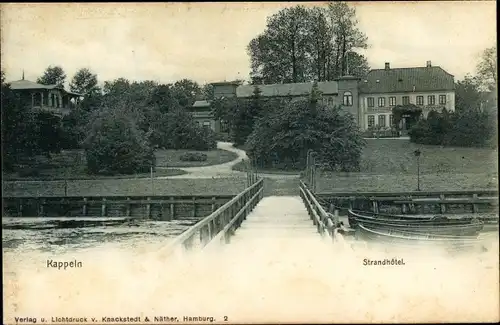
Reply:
x=347 y=98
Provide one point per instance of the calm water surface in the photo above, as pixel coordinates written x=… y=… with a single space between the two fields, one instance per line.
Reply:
x=59 y=235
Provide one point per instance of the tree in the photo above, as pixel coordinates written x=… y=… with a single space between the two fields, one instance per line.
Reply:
x=280 y=54
x=84 y=82
x=53 y=75
x=346 y=36
x=301 y=44
x=186 y=92
x=116 y=145
x=179 y=131
x=467 y=94
x=487 y=69
x=284 y=137
x=207 y=92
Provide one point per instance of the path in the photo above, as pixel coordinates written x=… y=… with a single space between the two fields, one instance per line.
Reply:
x=222 y=170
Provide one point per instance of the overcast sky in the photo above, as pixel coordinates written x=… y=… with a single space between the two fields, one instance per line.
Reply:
x=207 y=42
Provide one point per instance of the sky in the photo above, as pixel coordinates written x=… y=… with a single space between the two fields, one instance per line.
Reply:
x=206 y=42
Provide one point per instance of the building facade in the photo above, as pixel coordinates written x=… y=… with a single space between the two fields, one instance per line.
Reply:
x=50 y=98
x=422 y=88
x=370 y=100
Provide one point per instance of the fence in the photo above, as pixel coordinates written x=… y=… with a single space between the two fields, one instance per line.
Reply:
x=325 y=222
x=480 y=201
x=222 y=223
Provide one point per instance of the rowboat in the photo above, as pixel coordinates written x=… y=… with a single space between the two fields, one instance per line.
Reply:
x=409 y=239
x=363 y=216
x=470 y=229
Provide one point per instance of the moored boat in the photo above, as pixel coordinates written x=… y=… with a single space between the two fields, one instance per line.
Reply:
x=408 y=239
x=469 y=229
x=363 y=216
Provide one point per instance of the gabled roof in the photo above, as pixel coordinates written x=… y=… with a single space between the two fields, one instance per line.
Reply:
x=407 y=80
x=26 y=85
x=292 y=89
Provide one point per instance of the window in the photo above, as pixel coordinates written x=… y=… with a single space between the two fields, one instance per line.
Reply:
x=381 y=101
x=442 y=99
x=381 y=121
x=392 y=101
x=431 y=100
x=371 y=121
x=370 y=101
x=391 y=120
x=420 y=100
x=206 y=124
x=330 y=101
x=224 y=126
x=406 y=100
x=347 y=98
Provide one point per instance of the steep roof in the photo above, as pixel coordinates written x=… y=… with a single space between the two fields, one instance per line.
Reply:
x=26 y=85
x=407 y=80
x=293 y=89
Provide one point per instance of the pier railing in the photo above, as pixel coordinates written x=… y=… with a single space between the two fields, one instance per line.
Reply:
x=325 y=222
x=434 y=202
x=223 y=222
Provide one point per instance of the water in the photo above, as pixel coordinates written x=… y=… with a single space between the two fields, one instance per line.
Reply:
x=126 y=271
x=59 y=235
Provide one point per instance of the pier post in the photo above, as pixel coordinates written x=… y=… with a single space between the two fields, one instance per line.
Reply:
x=84 y=210
x=404 y=208
x=374 y=205
x=442 y=205
x=127 y=212
x=172 y=208
x=148 y=208
x=213 y=203
x=20 y=209
x=194 y=207
x=103 y=207
x=41 y=208
x=474 y=205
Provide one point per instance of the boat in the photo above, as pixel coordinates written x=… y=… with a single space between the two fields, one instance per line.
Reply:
x=468 y=229
x=364 y=216
x=409 y=239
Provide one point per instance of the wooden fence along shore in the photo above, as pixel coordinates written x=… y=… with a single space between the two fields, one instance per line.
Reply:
x=415 y=202
x=157 y=207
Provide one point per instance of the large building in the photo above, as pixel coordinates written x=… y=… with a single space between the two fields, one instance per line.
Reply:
x=49 y=98
x=370 y=100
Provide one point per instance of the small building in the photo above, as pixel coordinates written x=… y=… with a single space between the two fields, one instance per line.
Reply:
x=50 y=98
x=343 y=92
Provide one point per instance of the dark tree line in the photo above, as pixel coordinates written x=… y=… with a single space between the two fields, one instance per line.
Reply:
x=118 y=125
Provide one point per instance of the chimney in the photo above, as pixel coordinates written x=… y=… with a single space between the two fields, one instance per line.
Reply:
x=429 y=64
x=387 y=66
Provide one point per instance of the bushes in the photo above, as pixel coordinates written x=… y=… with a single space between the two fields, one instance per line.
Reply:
x=464 y=129
x=177 y=130
x=193 y=156
x=116 y=145
x=282 y=139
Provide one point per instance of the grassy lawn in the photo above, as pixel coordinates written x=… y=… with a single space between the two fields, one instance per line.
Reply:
x=110 y=187
x=243 y=165
x=170 y=158
x=71 y=165
x=390 y=165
